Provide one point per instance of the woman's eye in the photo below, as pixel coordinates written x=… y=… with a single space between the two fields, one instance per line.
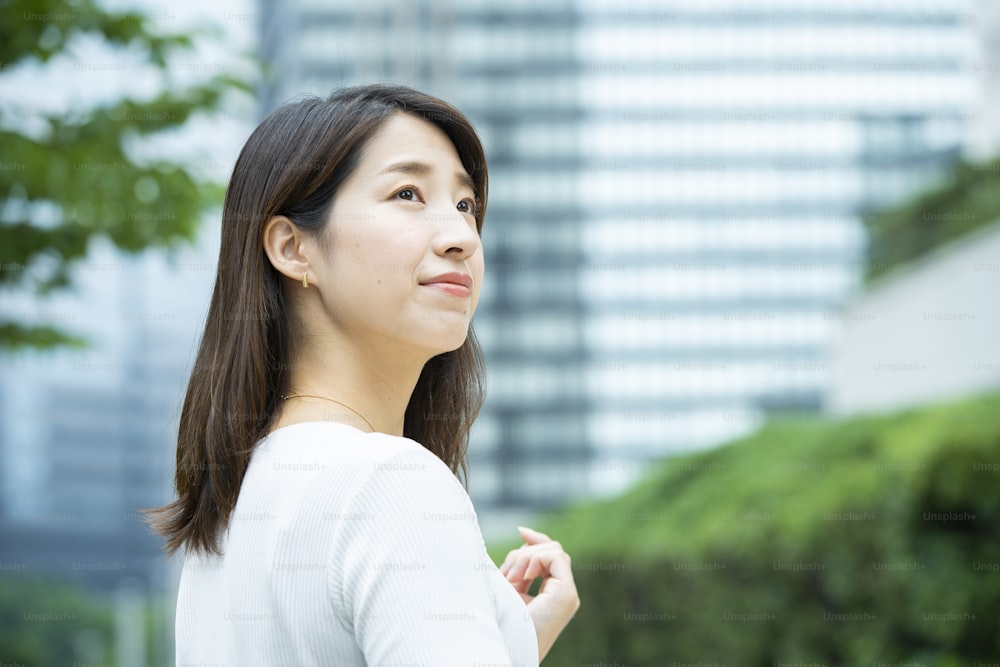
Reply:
x=467 y=206
x=407 y=194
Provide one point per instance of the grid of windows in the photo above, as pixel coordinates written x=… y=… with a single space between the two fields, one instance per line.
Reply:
x=739 y=166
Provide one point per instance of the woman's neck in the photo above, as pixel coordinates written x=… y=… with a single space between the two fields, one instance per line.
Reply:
x=375 y=385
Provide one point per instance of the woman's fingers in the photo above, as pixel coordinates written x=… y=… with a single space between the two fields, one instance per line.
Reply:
x=532 y=536
x=511 y=556
x=534 y=569
x=539 y=560
x=522 y=588
x=556 y=600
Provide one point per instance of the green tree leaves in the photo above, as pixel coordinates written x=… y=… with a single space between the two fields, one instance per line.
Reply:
x=70 y=176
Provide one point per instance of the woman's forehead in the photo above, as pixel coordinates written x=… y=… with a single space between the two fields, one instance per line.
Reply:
x=413 y=143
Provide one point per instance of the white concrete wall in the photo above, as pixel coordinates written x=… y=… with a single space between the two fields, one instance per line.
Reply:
x=983 y=130
x=927 y=332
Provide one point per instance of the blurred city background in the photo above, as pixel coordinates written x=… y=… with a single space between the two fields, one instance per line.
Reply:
x=704 y=215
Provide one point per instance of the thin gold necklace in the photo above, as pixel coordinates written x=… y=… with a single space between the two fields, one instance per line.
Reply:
x=332 y=400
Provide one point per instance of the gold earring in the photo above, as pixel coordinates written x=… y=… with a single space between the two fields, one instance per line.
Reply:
x=305 y=280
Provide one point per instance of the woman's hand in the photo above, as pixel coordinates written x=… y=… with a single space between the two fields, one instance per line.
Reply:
x=557 y=599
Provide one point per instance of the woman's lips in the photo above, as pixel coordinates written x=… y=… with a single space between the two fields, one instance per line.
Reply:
x=451 y=288
x=454 y=283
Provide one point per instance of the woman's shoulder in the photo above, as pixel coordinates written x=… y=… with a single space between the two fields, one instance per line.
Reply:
x=336 y=469
x=332 y=445
x=391 y=478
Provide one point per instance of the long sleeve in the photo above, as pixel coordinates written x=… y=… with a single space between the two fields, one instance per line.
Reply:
x=410 y=573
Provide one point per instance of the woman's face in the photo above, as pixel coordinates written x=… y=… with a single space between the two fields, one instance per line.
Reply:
x=404 y=262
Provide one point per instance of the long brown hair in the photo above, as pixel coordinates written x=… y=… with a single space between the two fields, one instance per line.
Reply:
x=293 y=165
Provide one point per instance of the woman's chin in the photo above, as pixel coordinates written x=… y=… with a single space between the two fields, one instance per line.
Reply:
x=448 y=339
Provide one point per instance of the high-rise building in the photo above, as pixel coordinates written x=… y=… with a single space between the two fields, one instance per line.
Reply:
x=735 y=146
x=675 y=202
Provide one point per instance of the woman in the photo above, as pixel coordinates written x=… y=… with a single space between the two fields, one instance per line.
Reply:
x=316 y=530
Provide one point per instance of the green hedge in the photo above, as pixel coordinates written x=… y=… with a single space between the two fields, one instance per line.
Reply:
x=869 y=541
x=46 y=623
x=52 y=622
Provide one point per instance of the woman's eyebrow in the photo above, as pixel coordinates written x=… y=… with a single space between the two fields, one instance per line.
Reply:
x=422 y=169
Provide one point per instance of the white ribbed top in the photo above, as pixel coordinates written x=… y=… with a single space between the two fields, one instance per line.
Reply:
x=349 y=548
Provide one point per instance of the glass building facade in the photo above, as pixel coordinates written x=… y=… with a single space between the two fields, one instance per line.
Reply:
x=676 y=200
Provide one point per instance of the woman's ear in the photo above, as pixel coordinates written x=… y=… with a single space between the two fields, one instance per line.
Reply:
x=285 y=245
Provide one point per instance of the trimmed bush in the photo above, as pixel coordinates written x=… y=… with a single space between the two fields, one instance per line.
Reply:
x=47 y=622
x=864 y=542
